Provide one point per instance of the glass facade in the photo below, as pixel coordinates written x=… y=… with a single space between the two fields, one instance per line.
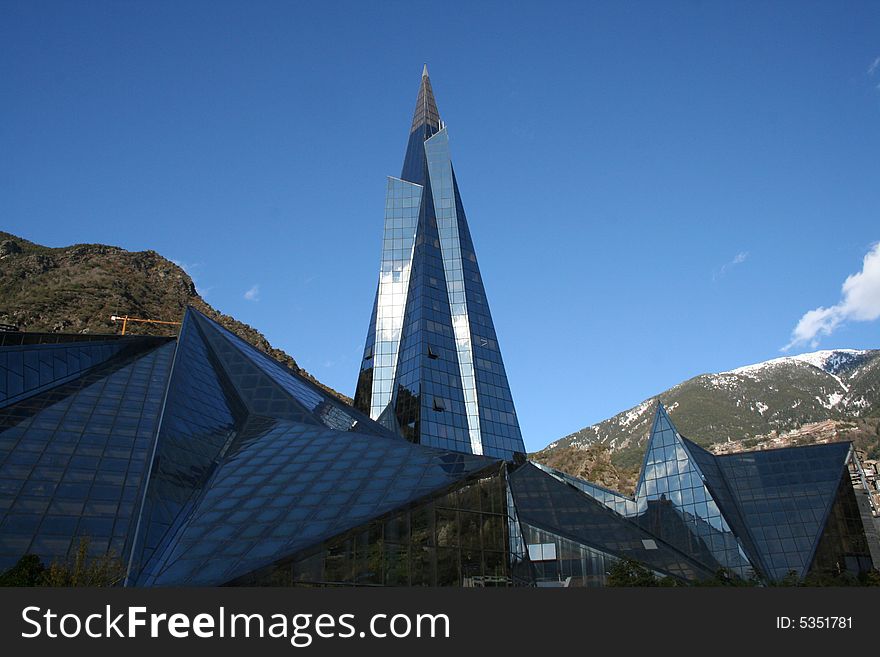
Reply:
x=543 y=503
x=673 y=501
x=283 y=487
x=203 y=461
x=761 y=513
x=440 y=172
x=785 y=496
x=29 y=368
x=676 y=504
x=402 y=202
x=458 y=538
x=432 y=369
x=557 y=559
x=254 y=463
x=73 y=457
x=843 y=546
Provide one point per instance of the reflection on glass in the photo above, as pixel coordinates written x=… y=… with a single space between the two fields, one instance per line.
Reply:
x=455 y=540
x=402 y=201
x=565 y=562
x=675 y=504
x=440 y=172
x=75 y=447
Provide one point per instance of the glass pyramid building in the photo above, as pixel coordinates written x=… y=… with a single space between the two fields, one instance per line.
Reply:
x=199 y=460
x=768 y=514
x=432 y=368
x=202 y=461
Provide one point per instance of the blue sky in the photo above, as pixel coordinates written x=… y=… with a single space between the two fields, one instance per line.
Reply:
x=655 y=190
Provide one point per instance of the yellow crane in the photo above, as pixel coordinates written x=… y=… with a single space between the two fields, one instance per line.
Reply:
x=125 y=319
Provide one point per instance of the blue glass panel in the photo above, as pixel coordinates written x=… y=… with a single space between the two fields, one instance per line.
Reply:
x=499 y=425
x=675 y=503
x=785 y=496
x=286 y=486
x=454 y=538
x=73 y=458
x=617 y=502
x=200 y=418
x=261 y=394
x=364 y=389
x=443 y=195
x=545 y=503
x=427 y=397
x=402 y=203
x=321 y=405
x=28 y=369
x=446 y=381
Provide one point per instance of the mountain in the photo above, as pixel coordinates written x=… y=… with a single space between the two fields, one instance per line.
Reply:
x=794 y=396
x=75 y=289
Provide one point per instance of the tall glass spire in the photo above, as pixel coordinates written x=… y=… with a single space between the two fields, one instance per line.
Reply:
x=432 y=368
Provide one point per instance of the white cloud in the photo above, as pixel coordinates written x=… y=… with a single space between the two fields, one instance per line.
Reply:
x=253 y=294
x=859 y=302
x=874 y=66
x=738 y=259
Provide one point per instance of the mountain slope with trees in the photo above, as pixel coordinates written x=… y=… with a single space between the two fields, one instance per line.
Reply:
x=832 y=394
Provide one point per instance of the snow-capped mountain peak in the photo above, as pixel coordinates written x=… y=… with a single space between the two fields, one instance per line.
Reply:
x=777 y=395
x=831 y=361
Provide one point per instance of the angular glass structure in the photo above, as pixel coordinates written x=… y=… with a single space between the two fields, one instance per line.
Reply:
x=199 y=460
x=432 y=369
x=768 y=514
x=786 y=498
x=76 y=444
x=675 y=502
x=586 y=537
x=202 y=461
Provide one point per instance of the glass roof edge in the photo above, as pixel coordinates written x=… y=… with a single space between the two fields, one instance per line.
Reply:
x=553 y=472
x=818 y=537
x=408 y=182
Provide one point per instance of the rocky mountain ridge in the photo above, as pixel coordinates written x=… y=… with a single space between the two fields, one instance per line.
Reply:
x=76 y=289
x=748 y=406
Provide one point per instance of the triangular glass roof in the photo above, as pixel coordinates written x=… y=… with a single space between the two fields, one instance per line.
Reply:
x=544 y=502
x=28 y=369
x=675 y=501
x=321 y=405
x=245 y=443
x=621 y=504
x=286 y=486
x=785 y=496
x=73 y=457
x=761 y=511
x=201 y=417
x=672 y=494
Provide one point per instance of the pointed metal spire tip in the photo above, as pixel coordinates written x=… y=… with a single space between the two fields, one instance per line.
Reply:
x=425 y=71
